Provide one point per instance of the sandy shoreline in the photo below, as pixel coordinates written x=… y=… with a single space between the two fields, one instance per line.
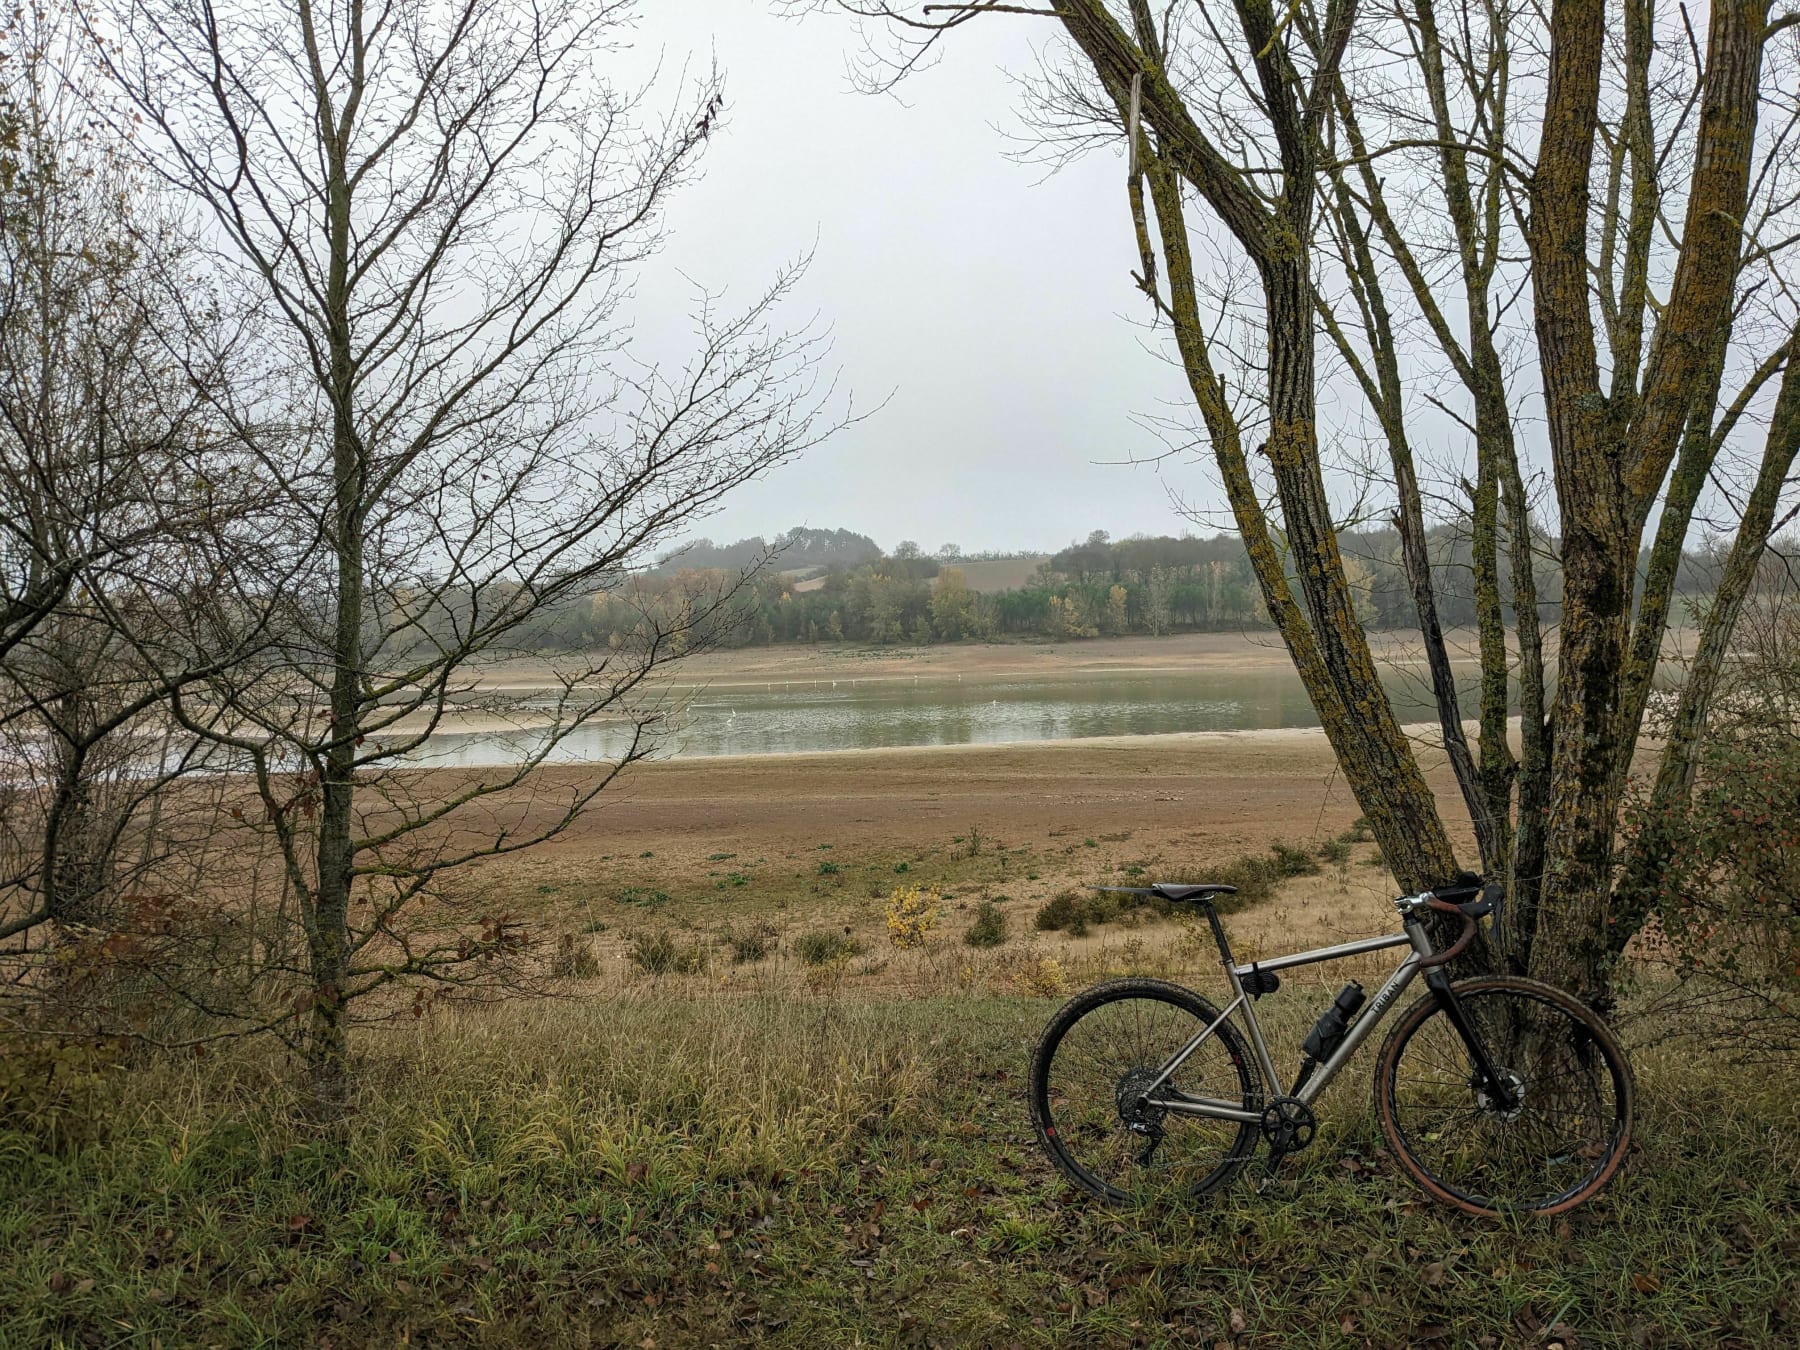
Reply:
x=794 y=663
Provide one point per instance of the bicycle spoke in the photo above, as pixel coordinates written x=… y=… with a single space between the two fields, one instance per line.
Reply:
x=1552 y=1132
x=1094 y=1084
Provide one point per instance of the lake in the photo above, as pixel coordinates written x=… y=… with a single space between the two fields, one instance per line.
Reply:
x=792 y=716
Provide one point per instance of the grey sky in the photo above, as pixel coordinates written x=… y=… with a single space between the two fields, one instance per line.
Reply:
x=992 y=301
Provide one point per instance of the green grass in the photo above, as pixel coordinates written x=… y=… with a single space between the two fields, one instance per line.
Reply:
x=808 y=1172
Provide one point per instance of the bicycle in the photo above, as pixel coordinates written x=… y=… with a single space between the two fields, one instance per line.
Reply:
x=1496 y=1094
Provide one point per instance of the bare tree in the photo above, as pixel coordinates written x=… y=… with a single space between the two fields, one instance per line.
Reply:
x=1431 y=184
x=116 y=494
x=1226 y=104
x=1297 y=131
x=443 y=207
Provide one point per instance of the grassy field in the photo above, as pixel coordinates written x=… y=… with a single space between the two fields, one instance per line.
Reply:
x=675 y=1166
x=999 y=574
x=799 y=1134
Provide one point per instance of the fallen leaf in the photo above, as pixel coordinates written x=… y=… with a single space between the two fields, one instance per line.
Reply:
x=1645 y=1284
x=1237 y=1321
x=1434 y=1274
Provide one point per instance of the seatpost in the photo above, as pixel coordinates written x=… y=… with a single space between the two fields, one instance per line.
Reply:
x=1218 y=929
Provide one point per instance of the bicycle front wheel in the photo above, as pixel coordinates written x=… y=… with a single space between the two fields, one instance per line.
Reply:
x=1094 y=1066
x=1549 y=1142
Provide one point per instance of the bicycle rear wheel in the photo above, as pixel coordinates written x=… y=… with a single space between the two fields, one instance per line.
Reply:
x=1093 y=1061
x=1551 y=1142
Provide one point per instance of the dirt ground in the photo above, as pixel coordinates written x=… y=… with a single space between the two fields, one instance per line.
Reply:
x=1205 y=792
x=790 y=843
x=1249 y=650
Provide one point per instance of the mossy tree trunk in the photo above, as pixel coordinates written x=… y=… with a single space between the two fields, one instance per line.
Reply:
x=1329 y=647
x=1612 y=448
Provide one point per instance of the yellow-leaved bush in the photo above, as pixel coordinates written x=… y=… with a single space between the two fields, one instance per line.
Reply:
x=912 y=912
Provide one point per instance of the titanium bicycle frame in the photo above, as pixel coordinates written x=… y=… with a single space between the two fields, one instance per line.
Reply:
x=1378 y=1006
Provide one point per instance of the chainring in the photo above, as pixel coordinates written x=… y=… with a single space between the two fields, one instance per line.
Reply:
x=1288 y=1124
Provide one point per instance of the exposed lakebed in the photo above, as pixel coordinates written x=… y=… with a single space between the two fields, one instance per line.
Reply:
x=812 y=715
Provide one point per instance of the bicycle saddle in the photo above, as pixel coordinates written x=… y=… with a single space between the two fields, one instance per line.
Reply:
x=1170 y=892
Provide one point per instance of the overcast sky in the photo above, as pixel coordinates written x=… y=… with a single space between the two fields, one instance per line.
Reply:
x=990 y=303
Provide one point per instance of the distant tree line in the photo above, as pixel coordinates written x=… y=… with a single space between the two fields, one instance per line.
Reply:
x=799 y=547
x=1099 y=587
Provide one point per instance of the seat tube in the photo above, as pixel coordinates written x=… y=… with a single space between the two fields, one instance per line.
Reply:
x=1258 y=1046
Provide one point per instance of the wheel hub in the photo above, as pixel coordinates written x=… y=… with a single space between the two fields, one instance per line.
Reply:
x=1141 y=1116
x=1493 y=1106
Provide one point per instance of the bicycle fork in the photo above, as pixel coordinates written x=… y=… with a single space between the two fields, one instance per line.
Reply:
x=1490 y=1079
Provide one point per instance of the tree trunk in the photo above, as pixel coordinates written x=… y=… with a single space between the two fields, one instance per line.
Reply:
x=1612 y=454
x=1515 y=928
x=1692 y=467
x=1497 y=764
x=329 y=936
x=1331 y=653
x=1598 y=550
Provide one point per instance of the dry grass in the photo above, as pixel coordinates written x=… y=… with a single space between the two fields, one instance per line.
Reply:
x=717 y=1169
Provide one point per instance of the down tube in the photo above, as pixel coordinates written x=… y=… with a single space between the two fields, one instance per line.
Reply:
x=1359 y=1032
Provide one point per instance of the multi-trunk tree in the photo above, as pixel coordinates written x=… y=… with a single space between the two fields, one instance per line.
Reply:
x=119 y=499
x=1397 y=179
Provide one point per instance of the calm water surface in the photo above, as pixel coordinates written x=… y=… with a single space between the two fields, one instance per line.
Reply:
x=785 y=717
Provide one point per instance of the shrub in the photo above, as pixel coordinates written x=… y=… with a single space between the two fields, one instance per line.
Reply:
x=1358 y=833
x=1727 y=882
x=1074 y=911
x=1254 y=875
x=828 y=869
x=749 y=946
x=659 y=954
x=51 y=1087
x=989 y=928
x=1335 y=851
x=1059 y=912
x=1041 y=978
x=574 y=959
x=1293 y=860
x=911 y=912
x=821 y=946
